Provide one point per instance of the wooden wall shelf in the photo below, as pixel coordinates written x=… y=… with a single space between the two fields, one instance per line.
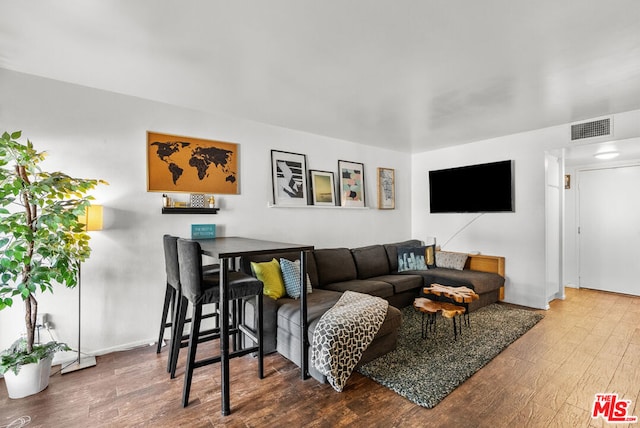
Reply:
x=190 y=210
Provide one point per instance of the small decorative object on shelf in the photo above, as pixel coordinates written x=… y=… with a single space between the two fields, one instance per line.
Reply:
x=197 y=200
x=196 y=205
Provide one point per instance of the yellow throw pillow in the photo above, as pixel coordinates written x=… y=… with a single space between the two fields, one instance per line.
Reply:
x=271 y=276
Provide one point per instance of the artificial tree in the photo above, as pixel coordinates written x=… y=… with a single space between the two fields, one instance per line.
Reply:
x=42 y=240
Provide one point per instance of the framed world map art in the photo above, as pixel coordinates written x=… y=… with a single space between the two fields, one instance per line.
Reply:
x=191 y=165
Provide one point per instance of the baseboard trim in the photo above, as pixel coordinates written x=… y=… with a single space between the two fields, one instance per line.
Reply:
x=67 y=357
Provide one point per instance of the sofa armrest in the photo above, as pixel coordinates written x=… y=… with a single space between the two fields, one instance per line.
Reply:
x=490 y=264
x=484 y=263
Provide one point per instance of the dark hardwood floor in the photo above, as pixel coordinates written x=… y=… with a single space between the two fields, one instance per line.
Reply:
x=586 y=344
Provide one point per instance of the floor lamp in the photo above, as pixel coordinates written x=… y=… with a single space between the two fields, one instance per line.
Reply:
x=92 y=221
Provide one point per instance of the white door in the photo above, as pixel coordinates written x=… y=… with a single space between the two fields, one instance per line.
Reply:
x=609 y=229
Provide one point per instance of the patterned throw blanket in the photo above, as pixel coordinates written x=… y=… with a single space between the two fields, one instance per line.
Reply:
x=343 y=333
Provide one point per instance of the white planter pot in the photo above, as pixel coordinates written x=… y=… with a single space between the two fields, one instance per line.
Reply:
x=31 y=379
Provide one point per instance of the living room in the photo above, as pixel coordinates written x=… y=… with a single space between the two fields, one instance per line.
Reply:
x=96 y=133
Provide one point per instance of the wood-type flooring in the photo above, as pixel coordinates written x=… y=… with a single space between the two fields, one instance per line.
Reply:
x=588 y=343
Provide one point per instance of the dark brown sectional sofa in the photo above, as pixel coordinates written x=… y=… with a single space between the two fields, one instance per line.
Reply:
x=372 y=270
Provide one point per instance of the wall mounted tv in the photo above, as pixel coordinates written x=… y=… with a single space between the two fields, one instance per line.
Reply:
x=487 y=187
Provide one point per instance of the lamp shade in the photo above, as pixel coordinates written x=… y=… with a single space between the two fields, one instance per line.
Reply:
x=92 y=218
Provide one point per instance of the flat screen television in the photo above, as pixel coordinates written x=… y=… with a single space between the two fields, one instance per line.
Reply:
x=487 y=187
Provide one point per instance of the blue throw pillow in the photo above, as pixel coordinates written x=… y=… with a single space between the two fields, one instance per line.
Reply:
x=291 y=276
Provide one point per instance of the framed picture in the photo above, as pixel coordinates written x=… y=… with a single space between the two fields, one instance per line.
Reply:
x=191 y=165
x=289 y=178
x=386 y=189
x=322 y=188
x=351 y=183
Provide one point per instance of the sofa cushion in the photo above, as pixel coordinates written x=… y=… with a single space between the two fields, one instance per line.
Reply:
x=271 y=276
x=384 y=341
x=367 y=286
x=482 y=282
x=392 y=252
x=334 y=265
x=370 y=261
x=318 y=302
x=392 y=322
x=402 y=283
x=445 y=259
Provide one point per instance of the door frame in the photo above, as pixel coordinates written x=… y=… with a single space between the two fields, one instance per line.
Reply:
x=554 y=219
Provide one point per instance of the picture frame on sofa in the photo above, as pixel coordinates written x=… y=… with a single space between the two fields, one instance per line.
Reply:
x=351 y=184
x=289 y=178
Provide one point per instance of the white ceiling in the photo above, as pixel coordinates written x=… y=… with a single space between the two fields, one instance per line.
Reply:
x=411 y=75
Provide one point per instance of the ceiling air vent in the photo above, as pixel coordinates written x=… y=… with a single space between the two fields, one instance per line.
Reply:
x=591 y=129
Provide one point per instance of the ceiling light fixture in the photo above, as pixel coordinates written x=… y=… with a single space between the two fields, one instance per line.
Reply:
x=607 y=155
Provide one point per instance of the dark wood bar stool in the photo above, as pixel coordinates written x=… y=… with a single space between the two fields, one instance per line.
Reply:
x=173 y=292
x=199 y=290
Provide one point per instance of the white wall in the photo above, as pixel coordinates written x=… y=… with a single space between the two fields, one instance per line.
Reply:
x=96 y=134
x=519 y=236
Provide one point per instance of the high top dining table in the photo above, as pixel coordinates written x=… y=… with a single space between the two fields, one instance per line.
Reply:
x=227 y=249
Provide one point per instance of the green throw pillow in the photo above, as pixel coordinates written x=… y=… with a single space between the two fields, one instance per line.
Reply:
x=271 y=276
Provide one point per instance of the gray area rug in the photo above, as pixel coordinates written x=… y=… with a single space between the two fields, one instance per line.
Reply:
x=427 y=370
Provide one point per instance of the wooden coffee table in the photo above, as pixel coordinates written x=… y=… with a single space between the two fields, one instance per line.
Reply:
x=431 y=309
x=462 y=295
